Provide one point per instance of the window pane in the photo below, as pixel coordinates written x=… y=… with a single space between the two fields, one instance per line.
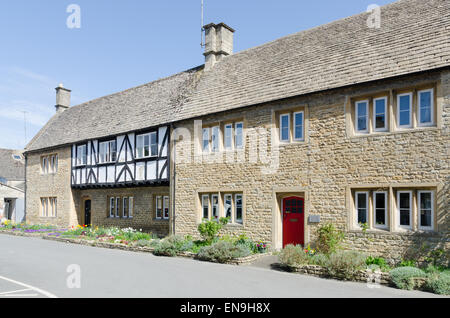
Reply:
x=298 y=126
x=146 y=145
x=426 y=209
x=215 y=207
x=205 y=205
x=238 y=217
x=228 y=136
x=166 y=207
x=380 y=209
x=405 y=209
x=125 y=207
x=284 y=128
x=362 y=116
x=405 y=110
x=205 y=145
x=215 y=139
x=362 y=207
x=158 y=207
x=140 y=146
x=425 y=107
x=113 y=150
x=380 y=113
x=130 y=206
x=103 y=152
x=227 y=206
x=239 y=135
x=117 y=207
x=154 y=144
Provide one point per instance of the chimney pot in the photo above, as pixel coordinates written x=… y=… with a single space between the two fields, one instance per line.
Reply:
x=62 y=98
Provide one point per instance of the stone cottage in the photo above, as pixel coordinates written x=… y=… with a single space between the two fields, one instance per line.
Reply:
x=345 y=123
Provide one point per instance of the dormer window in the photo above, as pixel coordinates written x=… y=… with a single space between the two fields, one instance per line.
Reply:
x=146 y=145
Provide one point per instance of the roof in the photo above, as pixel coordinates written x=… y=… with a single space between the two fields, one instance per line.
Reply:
x=10 y=168
x=414 y=36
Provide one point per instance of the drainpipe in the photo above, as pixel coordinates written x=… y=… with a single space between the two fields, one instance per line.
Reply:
x=172 y=158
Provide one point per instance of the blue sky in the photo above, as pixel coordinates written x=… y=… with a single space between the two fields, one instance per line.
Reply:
x=122 y=44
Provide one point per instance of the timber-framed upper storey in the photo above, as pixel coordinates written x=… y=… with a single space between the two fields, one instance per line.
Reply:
x=128 y=160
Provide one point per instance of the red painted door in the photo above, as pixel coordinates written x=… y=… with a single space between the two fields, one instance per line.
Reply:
x=293 y=221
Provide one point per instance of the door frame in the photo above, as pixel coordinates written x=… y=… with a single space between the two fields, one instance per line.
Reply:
x=277 y=213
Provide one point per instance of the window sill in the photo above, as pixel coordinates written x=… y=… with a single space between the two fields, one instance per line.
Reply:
x=398 y=131
x=161 y=220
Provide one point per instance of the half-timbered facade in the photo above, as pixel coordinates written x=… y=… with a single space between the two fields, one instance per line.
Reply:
x=345 y=123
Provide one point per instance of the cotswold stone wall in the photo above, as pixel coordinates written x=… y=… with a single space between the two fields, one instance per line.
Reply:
x=50 y=185
x=323 y=167
x=144 y=214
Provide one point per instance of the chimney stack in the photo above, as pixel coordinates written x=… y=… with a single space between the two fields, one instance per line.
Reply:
x=219 y=43
x=62 y=98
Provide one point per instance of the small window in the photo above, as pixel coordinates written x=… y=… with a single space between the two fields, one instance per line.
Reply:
x=215 y=207
x=166 y=207
x=239 y=209
x=380 y=114
x=112 y=207
x=284 y=127
x=239 y=136
x=205 y=207
x=159 y=207
x=81 y=155
x=146 y=145
x=215 y=139
x=362 y=116
x=107 y=152
x=228 y=205
x=380 y=209
x=130 y=207
x=205 y=140
x=17 y=157
x=43 y=207
x=426 y=107
x=404 y=204
x=228 y=137
x=125 y=208
x=404 y=110
x=362 y=207
x=298 y=126
x=426 y=210
x=118 y=207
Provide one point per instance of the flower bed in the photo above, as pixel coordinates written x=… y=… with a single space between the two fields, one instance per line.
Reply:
x=237 y=250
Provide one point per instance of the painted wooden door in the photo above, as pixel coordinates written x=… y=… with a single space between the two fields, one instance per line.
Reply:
x=293 y=221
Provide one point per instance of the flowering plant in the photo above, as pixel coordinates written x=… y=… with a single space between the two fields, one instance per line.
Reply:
x=261 y=246
x=309 y=251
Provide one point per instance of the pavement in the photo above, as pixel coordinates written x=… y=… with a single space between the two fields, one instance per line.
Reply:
x=32 y=267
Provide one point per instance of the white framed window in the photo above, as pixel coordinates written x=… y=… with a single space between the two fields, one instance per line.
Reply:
x=380 y=209
x=53 y=205
x=107 y=151
x=159 y=207
x=44 y=207
x=426 y=107
x=404 y=110
x=205 y=139
x=215 y=135
x=299 y=126
x=44 y=165
x=125 y=208
x=426 y=210
x=118 y=207
x=48 y=207
x=362 y=207
x=205 y=206
x=238 y=216
x=285 y=127
x=239 y=135
x=112 y=208
x=228 y=144
x=228 y=206
x=404 y=208
x=215 y=207
x=166 y=207
x=146 y=145
x=380 y=114
x=362 y=116
x=81 y=155
x=130 y=207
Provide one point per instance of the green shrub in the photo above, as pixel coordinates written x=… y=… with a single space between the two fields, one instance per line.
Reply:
x=209 y=229
x=293 y=255
x=404 y=277
x=319 y=259
x=439 y=283
x=329 y=239
x=345 y=264
x=171 y=246
x=223 y=251
x=407 y=263
x=378 y=262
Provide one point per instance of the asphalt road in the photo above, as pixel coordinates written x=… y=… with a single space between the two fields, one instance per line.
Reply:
x=31 y=267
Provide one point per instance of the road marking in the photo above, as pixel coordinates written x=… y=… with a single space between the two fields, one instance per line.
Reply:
x=29 y=287
x=14 y=291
